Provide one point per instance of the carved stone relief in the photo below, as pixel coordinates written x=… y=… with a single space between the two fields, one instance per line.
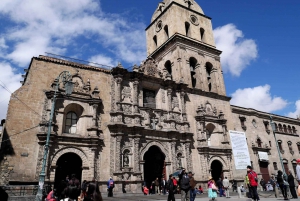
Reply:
x=126 y=94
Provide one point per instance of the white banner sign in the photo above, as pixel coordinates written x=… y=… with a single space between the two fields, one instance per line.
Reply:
x=240 y=150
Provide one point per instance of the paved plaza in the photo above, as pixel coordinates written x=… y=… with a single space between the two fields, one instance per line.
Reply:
x=270 y=196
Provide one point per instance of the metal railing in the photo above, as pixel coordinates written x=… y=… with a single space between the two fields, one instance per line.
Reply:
x=20 y=190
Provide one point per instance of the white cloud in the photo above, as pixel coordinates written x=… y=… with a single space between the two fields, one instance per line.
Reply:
x=10 y=79
x=53 y=26
x=258 y=98
x=238 y=52
x=102 y=59
x=297 y=111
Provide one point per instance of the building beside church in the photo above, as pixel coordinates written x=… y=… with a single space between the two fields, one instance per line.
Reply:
x=172 y=111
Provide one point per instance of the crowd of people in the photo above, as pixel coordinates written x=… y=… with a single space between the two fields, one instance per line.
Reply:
x=71 y=190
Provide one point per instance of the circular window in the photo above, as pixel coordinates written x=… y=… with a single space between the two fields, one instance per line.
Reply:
x=159 y=26
x=194 y=20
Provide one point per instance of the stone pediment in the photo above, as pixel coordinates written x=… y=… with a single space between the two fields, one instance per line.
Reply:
x=150 y=68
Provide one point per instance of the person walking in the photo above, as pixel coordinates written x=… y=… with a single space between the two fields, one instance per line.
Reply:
x=298 y=171
x=171 y=188
x=253 y=182
x=163 y=186
x=291 y=181
x=74 y=188
x=280 y=182
x=110 y=187
x=157 y=186
x=184 y=183
x=193 y=192
x=212 y=189
x=175 y=185
x=226 y=187
x=93 y=192
x=220 y=187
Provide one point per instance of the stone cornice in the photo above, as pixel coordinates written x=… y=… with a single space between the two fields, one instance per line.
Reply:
x=177 y=4
x=186 y=42
x=264 y=115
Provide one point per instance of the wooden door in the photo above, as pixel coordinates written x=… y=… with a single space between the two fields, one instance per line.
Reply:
x=264 y=170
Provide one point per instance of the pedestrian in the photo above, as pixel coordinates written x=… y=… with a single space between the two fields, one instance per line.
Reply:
x=263 y=184
x=153 y=187
x=200 y=190
x=171 y=188
x=212 y=189
x=51 y=196
x=248 y=186
x=280 y=182
x=291 y=181
x=157 y=186
x=253 y=182
x=220 y=187
x=298 y=171
x=93 y=192
x=184 y=183
x=193 y=191
x=73 y=187
x=226 y=187
x=110 y=187
x=163 y=186
x=83 y=189
x=145 y=190
x=234 y=185
x=175 y=184
x=61 y=189
x=272 y=182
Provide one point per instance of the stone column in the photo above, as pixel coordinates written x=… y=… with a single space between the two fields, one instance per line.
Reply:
x=92 y=159
x=214 y=81
x=135 y=95
x=95 y=107
x=173 y=154
x=118 y=92
x=188 y=156
x=183 y=108
x=118 y=153
x=136 y=152
x=169 y=92
x=112 y=153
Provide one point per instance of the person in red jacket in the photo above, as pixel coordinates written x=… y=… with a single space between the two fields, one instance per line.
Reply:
x=253 y=182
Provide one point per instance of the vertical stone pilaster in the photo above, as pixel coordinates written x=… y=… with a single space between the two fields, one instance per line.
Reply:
x=173 y=154
x=135 y=95
x=118 y=153
x=112 y=153
x=95 y=107
x=136 y=154
x=118 y=92
x=169 y=92
x=188 y=156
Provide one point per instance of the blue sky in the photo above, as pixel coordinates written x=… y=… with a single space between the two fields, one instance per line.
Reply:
x=258 y=39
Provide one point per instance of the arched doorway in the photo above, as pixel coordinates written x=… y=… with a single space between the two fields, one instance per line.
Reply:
x=216 y=170
x=68 y=164
x=154 y=164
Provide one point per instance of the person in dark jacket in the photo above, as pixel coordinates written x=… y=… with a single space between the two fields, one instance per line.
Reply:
x=291 y=181
x=193 y=191
x=220 y=186
x=171 y=188
x=280 y=182
x=184 y=183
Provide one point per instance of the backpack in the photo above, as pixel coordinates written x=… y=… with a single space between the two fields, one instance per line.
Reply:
x=254 y=175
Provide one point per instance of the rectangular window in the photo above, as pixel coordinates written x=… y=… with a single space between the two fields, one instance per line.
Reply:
x=149 y=98
x=270 y=143
x=275 y=166
x=280 y=146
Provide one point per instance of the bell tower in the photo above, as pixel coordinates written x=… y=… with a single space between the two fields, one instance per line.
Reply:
x=180 y=39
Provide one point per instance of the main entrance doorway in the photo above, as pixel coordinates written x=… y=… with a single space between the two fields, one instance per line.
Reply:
x=216 y=170
x=263 y=166
x=154 y=165
x=68 y=164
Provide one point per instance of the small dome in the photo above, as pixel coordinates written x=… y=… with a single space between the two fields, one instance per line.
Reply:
x=161 y=6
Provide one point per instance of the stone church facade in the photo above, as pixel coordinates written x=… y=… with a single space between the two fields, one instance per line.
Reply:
x=170 y=112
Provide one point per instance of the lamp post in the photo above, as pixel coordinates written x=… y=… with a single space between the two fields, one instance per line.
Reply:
x=279 y=153
x=65 y=77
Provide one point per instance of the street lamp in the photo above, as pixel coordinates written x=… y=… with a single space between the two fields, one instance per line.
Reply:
x=279 y=153
x=65 y=78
